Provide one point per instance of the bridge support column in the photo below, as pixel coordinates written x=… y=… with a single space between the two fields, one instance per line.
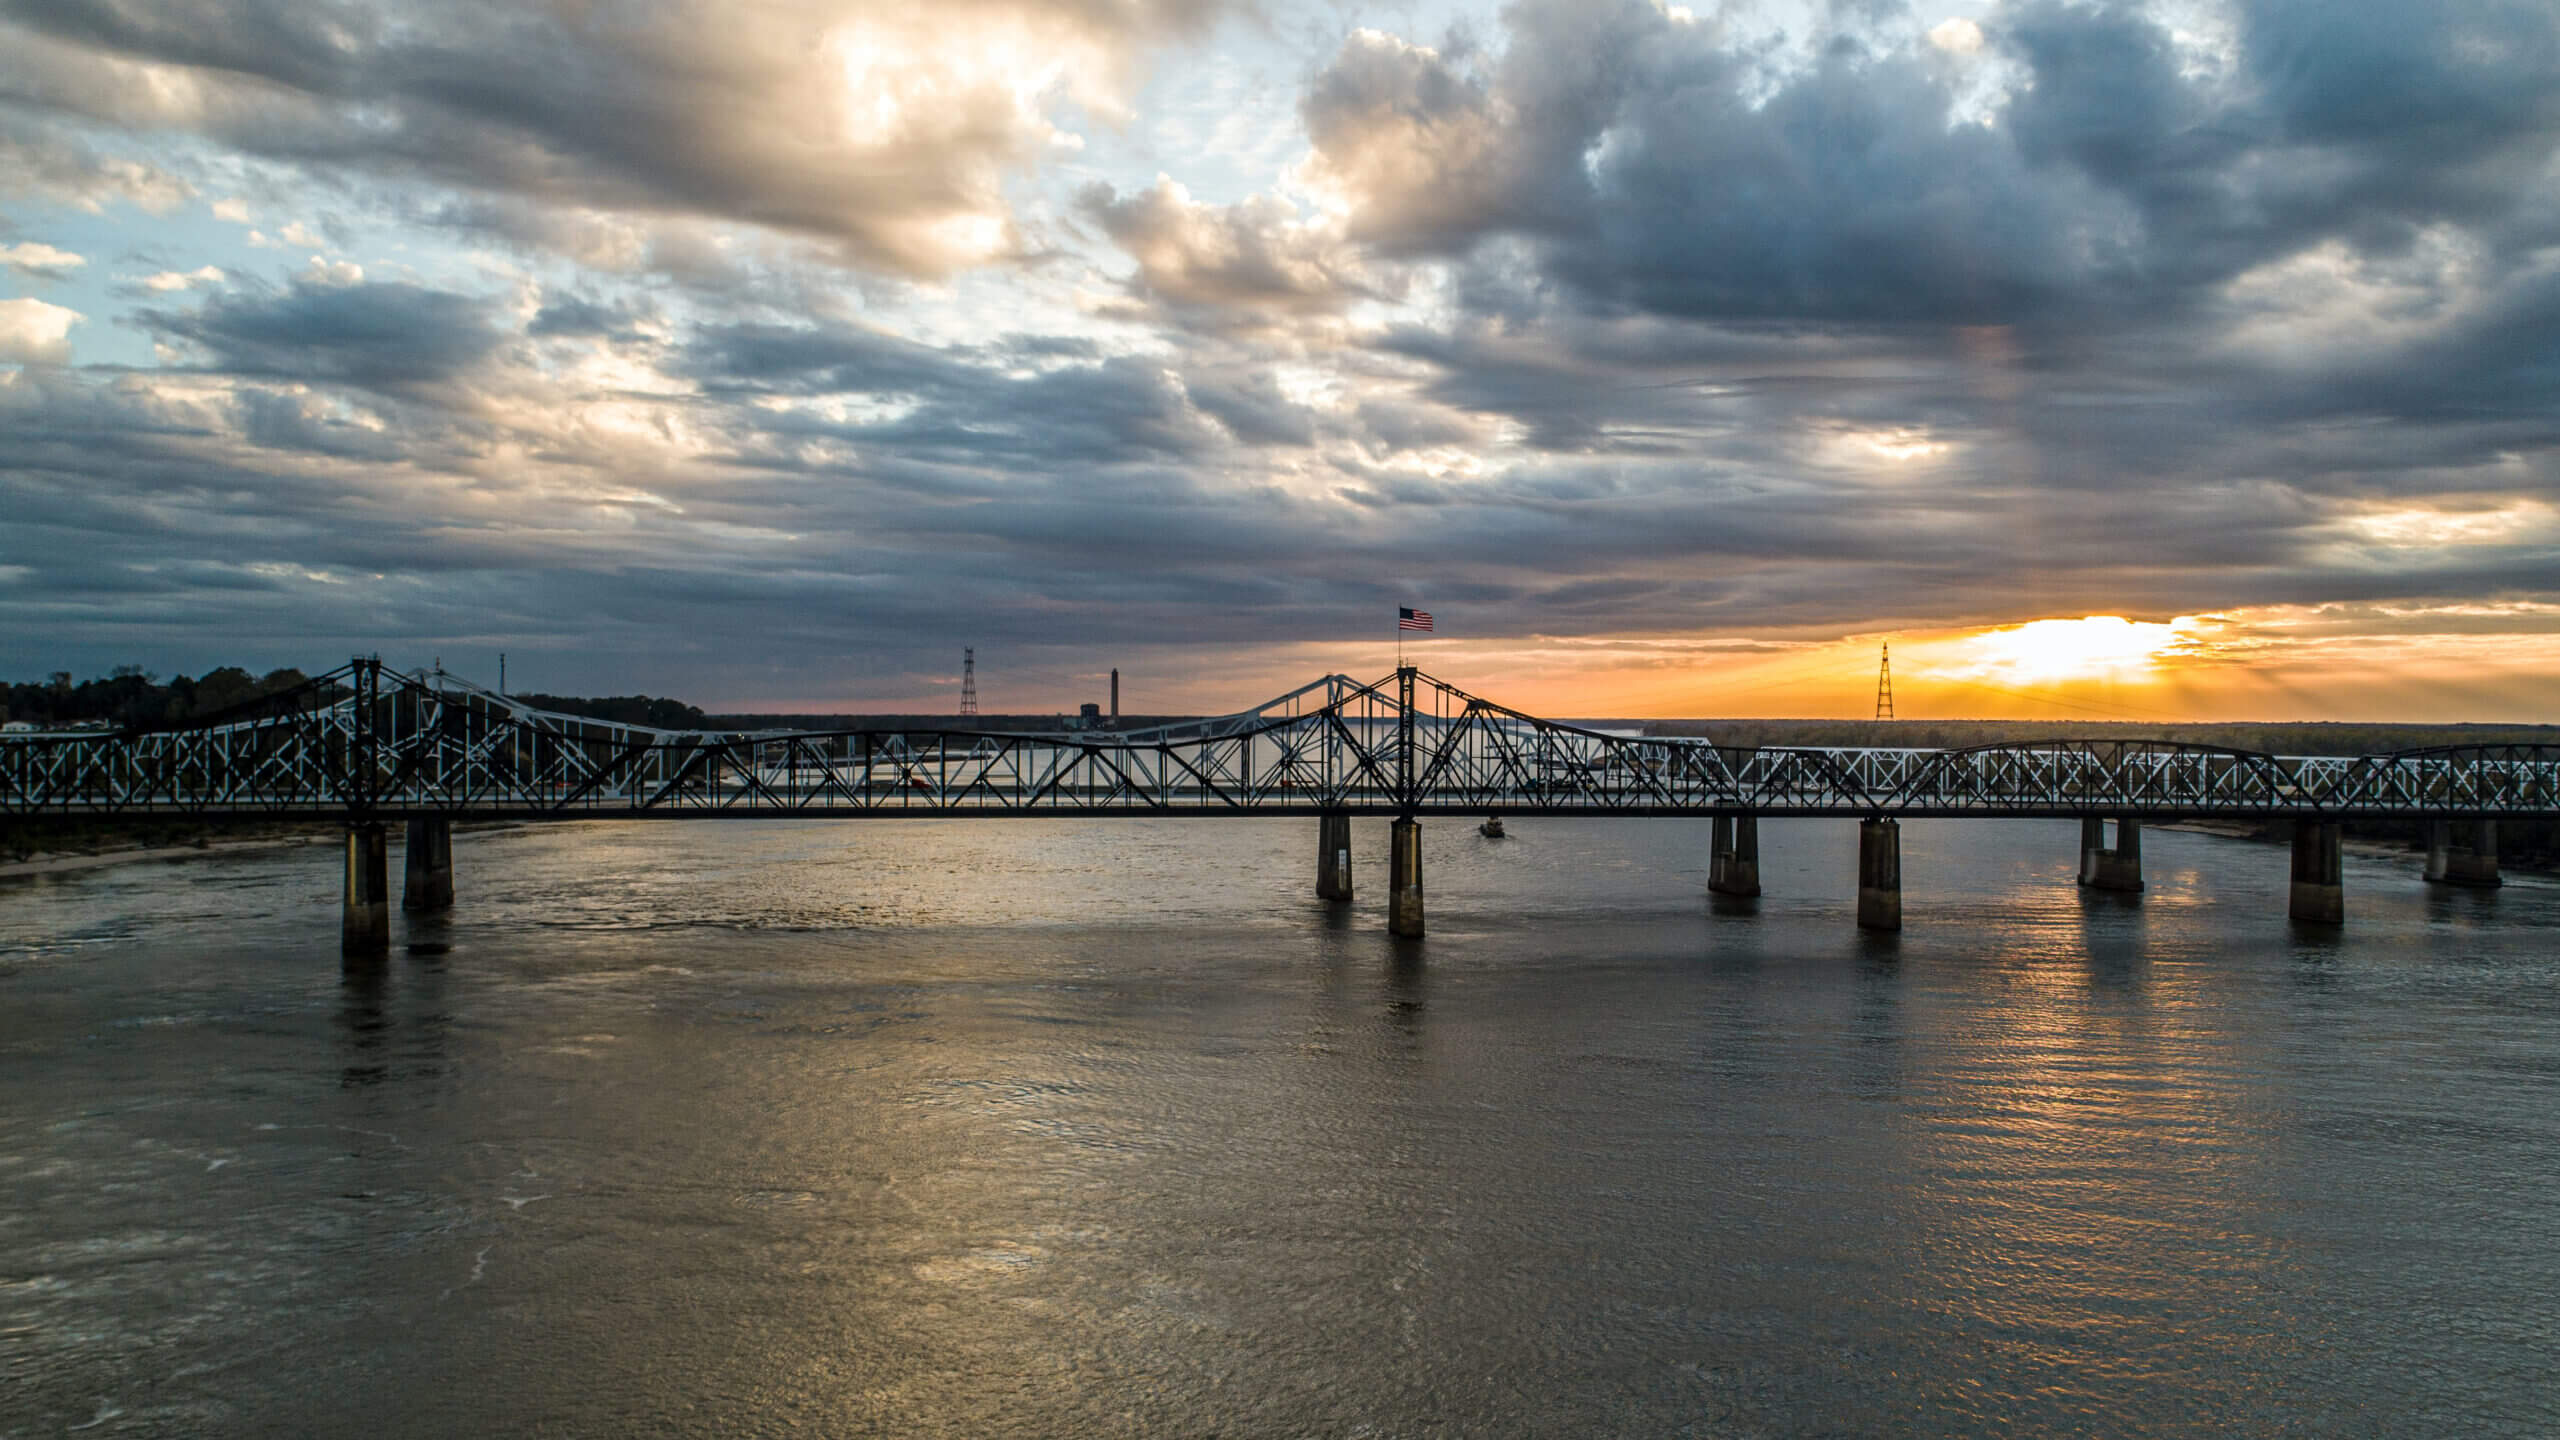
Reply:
x=365 y=921
x=1333 y=857
x=1879 y=874
x=2451 y=862
x=2119 y=869
x=1733 y=860
x=1404 y=878
x=428 y=861
x=2319 y=880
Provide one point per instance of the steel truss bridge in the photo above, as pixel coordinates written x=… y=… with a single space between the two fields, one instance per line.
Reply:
x=370 y=742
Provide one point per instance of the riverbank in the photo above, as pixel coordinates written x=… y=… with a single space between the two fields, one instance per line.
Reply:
x=45 y=862
x=95 y=846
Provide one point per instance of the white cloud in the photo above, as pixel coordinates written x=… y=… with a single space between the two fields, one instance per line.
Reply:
x=2432 y=527
x=1958 y=36
x=42 y=262
x=323 y=271
x=233 y=209
x=168 y=280
x=39 y=262
x=35 y=333
x=298 y=234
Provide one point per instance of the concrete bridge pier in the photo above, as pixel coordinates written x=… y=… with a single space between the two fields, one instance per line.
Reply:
x=2450 y=861
x=1404 y=878
x=2319 y=879
x=2119 y=869
x=365 y=927
x=1733 y=861
x=1333 y=857
x=1879 y=874
x=428 y=859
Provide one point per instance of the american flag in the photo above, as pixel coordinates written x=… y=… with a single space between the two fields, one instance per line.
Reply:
x=1412 y=619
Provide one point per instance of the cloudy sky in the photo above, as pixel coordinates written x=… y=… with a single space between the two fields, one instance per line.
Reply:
x=766 y=354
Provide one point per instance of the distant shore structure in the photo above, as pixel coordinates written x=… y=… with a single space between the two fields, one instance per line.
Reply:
x=1884 y=682
x=969 y=680
x=1115 y=692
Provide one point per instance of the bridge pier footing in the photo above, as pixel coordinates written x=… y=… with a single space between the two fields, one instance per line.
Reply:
x=365 y=918
x=2118 y=869
x=2452 y=862
x=428 y=863
x=1733 y=860
x=1333 y=857
x=1404 y=878
x=1879 y=874
x=2319 y=894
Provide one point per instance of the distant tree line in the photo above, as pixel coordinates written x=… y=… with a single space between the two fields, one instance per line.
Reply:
x=624 y=710
x=130 y=696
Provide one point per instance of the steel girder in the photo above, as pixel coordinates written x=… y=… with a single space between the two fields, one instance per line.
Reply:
x=369 y=740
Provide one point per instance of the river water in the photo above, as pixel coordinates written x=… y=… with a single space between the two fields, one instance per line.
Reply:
x=1110 y=1128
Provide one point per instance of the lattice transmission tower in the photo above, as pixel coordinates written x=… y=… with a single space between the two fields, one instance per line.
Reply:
x=1884 y=683
x=969 y=680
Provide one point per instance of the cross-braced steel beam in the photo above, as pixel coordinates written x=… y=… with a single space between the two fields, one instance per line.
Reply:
x=368 y=741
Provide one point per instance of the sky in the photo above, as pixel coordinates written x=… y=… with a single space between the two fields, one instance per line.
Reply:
x=2191 y=359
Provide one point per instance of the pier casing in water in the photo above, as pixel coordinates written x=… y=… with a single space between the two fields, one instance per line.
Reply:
x=2463 y=852
x=1404 y=896
x=1879 y=875
x=2118 y=869
x=1733 y=862
x=1333 y=857
x=428 y=862
x=366 y=913
x=2319 y=894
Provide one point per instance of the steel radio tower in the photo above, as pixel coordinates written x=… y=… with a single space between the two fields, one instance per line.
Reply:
x=969 y=680
x=1884 y=683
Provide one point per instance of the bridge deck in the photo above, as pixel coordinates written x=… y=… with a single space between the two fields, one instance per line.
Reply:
x=372 y=741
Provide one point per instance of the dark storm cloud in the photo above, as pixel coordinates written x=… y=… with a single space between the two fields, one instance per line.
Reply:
x=379 y=336
x=1404 y=425
x=867 y=125
x=272 y=421
x=1252 y=408
x=966 y=406
x=1632 y=149
x=37 y=159
x=577 y=316
x=809 y=360
x=2153 y=303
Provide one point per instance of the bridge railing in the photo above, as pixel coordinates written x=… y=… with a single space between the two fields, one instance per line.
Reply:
x=370 y=739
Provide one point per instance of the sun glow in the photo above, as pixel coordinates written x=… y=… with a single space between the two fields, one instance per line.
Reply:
x=2097 y=647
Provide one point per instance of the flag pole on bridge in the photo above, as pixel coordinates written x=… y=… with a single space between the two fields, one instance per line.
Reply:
x=1408 y=618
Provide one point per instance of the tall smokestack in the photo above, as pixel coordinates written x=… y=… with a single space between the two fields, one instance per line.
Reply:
x=1115 y=692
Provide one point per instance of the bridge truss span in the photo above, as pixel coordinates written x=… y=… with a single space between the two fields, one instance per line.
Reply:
x=367 y=740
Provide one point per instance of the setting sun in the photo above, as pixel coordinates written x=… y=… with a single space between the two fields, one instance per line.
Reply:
x=2098 y=647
